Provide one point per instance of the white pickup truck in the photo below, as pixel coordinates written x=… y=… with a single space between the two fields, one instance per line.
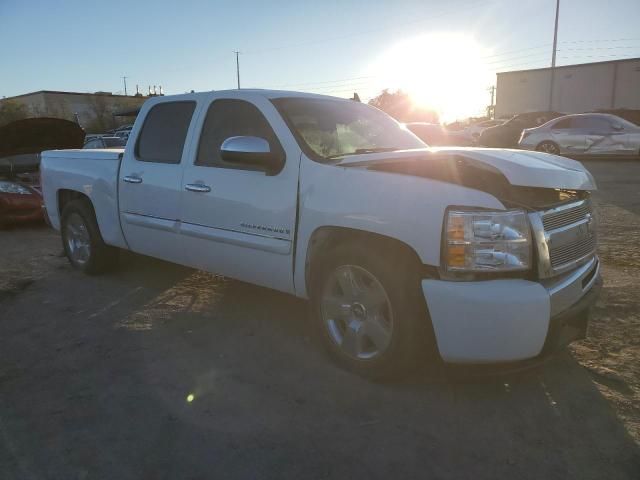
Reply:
x=479 y=255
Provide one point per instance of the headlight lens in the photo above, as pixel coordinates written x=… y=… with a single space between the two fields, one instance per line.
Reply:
x=11 y=187
x=484 y=241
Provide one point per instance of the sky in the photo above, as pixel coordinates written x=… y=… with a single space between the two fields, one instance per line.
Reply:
x=445 y=53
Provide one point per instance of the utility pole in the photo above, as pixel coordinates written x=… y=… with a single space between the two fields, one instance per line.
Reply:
x=553 y=56
x=491 y=110
x=124 y=79
x=238 y=67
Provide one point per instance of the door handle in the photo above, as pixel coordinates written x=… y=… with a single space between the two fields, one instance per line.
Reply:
x=197 y=187
x=131 y=179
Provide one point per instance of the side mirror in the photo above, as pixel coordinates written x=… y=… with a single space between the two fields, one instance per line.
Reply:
x=617 y=127
x=251 y=152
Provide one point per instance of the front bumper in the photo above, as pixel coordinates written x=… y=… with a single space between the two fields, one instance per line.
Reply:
x=509 y=320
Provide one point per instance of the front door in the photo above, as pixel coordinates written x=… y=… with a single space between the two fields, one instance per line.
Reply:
x=607 y=137
x=150 y=182
x=240 y=222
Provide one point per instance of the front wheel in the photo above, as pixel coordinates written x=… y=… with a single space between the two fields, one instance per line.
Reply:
x=369 y=311
x=82 y=241
x=549 y=147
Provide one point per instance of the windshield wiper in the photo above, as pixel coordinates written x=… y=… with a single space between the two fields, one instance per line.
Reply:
x=360 y=151
x=375 y=150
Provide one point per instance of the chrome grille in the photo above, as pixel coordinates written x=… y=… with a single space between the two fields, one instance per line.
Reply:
x=572 y=251
x=565 y=237
x=562 y=218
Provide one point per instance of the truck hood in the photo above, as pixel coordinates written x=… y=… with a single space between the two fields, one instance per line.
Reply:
x=519 y=167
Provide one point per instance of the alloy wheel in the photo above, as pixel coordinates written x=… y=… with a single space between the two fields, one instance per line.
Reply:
x=78 y=239
x=356 y=312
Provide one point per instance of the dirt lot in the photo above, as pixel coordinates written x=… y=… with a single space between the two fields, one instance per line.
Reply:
x=158 y=371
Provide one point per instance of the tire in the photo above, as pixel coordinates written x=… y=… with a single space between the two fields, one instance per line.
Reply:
x=82 y=241
x=548 y=147
x=377 y=339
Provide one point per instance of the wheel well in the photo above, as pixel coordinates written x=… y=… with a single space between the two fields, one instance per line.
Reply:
x=66 y=196
x=325 y=239
x=547 y=141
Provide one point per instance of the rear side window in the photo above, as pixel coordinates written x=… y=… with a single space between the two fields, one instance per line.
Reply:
x=164 y=132
x=563 y=124
x=596 y=124
x=230 y=118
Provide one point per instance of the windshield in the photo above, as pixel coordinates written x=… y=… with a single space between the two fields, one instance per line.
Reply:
x=329 y=129
x=621 y=121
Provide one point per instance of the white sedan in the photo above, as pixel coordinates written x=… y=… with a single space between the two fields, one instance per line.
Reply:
x=594 y=134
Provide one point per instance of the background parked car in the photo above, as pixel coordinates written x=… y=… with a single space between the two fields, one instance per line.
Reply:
x=105 y=142
x=472 y=132
x=434 y=134
x=598 y=134
x=508 y=134
x=20 y=145
x=123 y=132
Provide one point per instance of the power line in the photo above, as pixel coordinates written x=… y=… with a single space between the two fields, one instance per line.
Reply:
x=343 y=88
x=525 y=64
x=467 y=4
x=602 y=40
x=324 y=82
x=516 y=51
x=596 y=48
x=498 y=62
x=601 y=56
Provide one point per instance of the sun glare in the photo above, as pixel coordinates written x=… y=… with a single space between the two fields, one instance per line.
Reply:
x=442 y=72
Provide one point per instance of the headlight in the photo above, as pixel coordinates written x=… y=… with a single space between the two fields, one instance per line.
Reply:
x=486 y=241
x=11 y=187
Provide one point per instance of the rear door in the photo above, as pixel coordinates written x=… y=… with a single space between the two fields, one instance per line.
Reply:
x=568 y=136
x=150 y=183
x=240 y=222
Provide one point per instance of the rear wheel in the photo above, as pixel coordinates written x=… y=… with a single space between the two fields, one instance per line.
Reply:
x=548 y=147
x=369 y=311
x=82 y=241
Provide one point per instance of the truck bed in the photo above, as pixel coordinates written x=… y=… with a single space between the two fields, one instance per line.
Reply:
x=92 y=172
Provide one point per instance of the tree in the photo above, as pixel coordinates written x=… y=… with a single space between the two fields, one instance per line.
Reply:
x=102 y=114
x=400 y=106
x=10 y=111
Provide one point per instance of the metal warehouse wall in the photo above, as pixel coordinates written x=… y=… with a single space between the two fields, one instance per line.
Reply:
x=577 y=88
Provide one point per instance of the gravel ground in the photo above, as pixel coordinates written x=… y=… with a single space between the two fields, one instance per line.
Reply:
x=161 y=372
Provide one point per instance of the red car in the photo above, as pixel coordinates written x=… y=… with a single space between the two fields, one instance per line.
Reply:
x=20 y=145
x=19 y=202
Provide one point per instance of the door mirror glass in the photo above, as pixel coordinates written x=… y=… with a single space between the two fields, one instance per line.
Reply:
x=251 y=151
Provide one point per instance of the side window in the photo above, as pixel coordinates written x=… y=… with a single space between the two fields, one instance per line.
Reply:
x=596 y=124
x=230 y=118
x=563 y=124
x=164 y=132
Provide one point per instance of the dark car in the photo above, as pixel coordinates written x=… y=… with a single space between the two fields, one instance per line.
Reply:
x=20 y=145
x=508 y=134
x=434 y=134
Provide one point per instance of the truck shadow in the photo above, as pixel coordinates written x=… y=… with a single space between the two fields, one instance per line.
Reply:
x=172 y=373
x=259 y=343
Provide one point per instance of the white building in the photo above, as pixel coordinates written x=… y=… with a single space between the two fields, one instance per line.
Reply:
x=576 y=88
